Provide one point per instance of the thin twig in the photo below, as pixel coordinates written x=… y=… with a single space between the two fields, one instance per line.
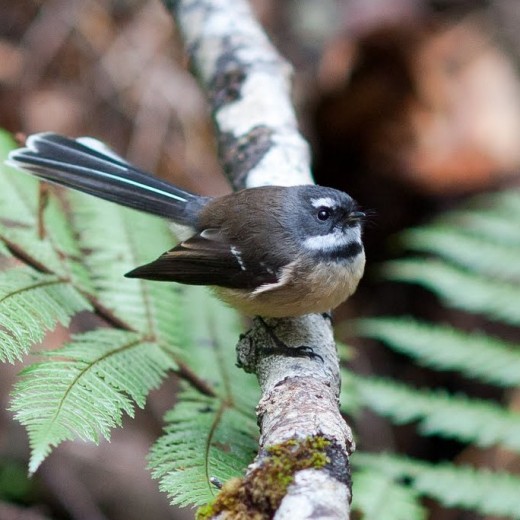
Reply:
x=43 y=199
x=188 y=375
x=99 y=309
x=106 y=314
x=25 y=257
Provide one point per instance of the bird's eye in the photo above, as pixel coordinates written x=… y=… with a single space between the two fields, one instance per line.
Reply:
x=323 y=213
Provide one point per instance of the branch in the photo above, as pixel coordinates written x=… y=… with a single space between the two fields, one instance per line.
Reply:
x=300 y=400
x=248 y=87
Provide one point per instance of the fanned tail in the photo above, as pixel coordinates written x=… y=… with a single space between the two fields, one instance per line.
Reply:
x=89 y=166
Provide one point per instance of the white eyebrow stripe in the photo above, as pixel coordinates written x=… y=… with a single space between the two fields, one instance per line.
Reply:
x=328 y=202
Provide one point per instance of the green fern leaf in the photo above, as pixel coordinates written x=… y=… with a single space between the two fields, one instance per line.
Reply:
x=19 y=193
x=350 y=399
x=85 y=388
x=205 y=437
x=492 y=217
x=131 y=239
x=379 y=497
x=208 y=436
x=438 y=413
x=95 y=269
x=489 y=257
x=32 y=303
x=49 y=256
x=210 y=346
x=441 y=347
x=4 y=252
x=42 y=251
x=64 y=241
x=58 y=251
x=507 y=202
x=458 y=288
x=484 y=491
x=491 y=225
x=472 y=265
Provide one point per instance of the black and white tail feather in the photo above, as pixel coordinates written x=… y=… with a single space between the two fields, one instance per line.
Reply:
x=88 y=165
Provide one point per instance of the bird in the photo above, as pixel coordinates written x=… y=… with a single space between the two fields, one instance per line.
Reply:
x=270 y=251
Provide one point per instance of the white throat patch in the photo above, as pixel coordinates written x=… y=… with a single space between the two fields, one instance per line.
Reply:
x=334 y=240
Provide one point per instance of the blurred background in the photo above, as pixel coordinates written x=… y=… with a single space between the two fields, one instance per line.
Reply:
x=411 y=106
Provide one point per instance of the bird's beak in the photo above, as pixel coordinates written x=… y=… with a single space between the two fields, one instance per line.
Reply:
x=356 y=216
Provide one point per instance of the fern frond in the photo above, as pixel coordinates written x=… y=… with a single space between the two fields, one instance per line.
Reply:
x=490 y=225
x=19 y=193
x=378 y=497
x=507 y=202
x=58 y=252
x=488 y=257
x=56 y=400
x=472 y=263
x=27 y=240
x=205 y=437
x=489 y=216
x=31 y=304
x=349 y=398
x=484 y=491
x=208 y=436
x=62 y=237
x=441 y=347
x=131 y=239
x=458 y=288
x=85 y=388
x=47 y=256
x=4 y=251
x=211 y=342
x=438 y=413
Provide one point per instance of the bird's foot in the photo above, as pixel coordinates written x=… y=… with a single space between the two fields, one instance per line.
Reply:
x=281 y=349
